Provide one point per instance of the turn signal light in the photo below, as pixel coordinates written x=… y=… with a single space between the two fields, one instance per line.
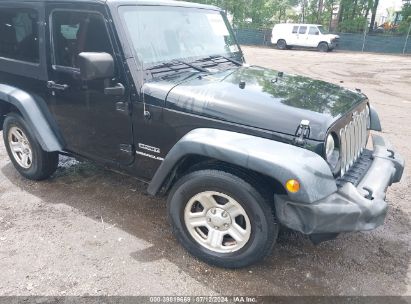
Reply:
x=293 y=186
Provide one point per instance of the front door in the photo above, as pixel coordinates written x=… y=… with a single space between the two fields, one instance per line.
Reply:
x=92 y=123
x=314 y=37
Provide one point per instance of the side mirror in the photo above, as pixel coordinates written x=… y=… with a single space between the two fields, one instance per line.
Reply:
x=96 y=66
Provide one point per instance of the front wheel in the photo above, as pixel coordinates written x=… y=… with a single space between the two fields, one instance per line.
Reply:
x=222 y=219
x=25 y=152
x=323 y=47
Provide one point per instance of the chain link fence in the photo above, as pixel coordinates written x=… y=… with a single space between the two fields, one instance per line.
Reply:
x=359 y=42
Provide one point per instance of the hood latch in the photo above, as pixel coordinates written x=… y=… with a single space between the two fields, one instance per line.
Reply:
x=302 y=133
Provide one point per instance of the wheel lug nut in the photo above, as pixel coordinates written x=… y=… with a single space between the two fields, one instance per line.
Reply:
x=224 y=214
x=226 y=226
x=209 y=220
x=213 y=211
x=216 y=228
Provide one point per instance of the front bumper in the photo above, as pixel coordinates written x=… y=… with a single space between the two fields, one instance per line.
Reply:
x=351 y=208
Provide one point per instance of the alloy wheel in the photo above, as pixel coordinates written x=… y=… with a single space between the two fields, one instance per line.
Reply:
x=20 y=147
x=217 y=222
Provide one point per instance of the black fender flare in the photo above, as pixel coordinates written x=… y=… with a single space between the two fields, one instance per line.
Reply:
x=277 y=160
x=33 y=115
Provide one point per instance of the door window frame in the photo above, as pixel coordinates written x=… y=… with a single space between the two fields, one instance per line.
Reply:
x=299 y=30
x=73 y=70
x=317 y=31
x=36 y=70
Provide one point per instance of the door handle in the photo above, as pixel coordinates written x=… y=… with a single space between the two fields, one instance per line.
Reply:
x=55 y=86
x=117 y=90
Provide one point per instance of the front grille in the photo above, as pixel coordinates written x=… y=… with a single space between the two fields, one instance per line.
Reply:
x=358 y=170
x=353 y=140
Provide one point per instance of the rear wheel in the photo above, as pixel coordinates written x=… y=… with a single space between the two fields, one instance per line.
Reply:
x=282 y=44
x=323 y=47
x=25 y=152
x=222 y=219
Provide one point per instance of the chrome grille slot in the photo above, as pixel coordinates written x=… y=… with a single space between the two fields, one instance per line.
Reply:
x=343 y=150
x=364 y=129
x=353 y=139
x=357 y=137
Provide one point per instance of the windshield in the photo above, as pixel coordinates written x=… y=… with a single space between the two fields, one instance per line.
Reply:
x=164 y=33
x=323 y=30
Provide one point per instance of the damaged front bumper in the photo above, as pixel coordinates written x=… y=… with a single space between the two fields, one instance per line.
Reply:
x=351 y=208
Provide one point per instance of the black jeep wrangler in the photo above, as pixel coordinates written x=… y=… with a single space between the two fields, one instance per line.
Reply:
x=160 y=90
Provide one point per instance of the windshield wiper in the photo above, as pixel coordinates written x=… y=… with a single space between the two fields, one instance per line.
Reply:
x=174 y=67
x=200 y=65
x=214 y=57
x=196 y=67
x=239 y=63
x=174 y=62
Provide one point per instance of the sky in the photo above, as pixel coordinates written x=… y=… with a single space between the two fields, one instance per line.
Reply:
x=383 y=15
x=385 y=4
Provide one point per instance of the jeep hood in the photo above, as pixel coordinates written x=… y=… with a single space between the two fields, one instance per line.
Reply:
x=261 y=98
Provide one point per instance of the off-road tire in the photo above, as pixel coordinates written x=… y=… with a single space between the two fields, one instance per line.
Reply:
x=43 y=164
x=259 y=209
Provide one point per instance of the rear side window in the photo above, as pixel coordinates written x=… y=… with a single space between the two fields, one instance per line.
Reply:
x=303 y=30
x=295 y=29
x=313 y=31
x=19 y=34
x=76 y=32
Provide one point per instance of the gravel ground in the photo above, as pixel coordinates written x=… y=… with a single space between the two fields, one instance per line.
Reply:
x=87 y=231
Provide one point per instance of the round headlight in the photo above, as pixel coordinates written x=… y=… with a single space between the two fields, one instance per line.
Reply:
x=332 y=152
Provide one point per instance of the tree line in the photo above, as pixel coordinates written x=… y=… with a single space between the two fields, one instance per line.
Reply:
x=338 y=15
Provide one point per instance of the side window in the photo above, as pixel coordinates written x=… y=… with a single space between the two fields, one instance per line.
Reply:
x=76 y=32
x=19 y=34
x=303 y=30
x=313 y=31
x=295 y=29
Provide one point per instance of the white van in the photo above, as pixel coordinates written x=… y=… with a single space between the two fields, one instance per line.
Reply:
x=287 y=35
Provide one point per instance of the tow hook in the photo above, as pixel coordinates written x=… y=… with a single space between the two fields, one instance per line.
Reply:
x=392 y=154
x=369 y=196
